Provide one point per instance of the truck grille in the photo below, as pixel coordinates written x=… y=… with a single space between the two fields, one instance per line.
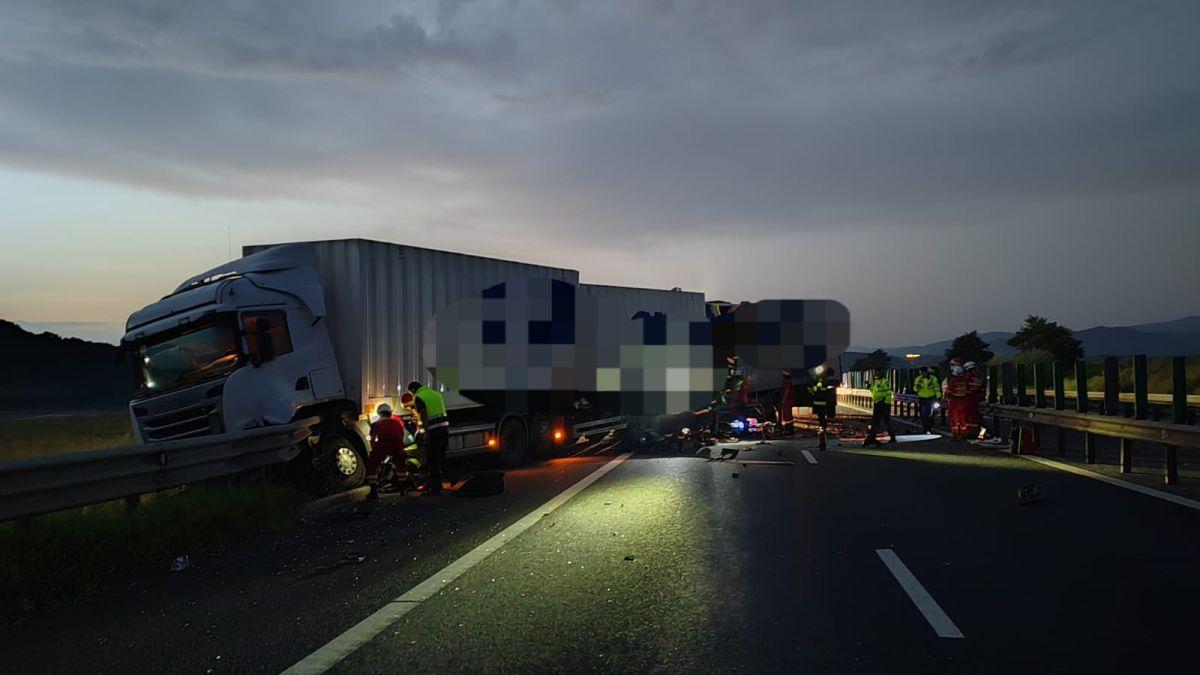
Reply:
x=182 y=414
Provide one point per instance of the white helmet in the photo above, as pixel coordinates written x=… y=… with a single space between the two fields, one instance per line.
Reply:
x=969 y=365
x=383 y=409
x=956 y=369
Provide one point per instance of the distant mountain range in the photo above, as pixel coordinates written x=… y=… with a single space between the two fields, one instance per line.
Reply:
x=1180 y=337
x=45 y=372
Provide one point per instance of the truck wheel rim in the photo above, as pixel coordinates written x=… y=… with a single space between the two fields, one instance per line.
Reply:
x=347 y=461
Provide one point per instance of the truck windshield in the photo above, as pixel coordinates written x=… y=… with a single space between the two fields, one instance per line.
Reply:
x=194 y=356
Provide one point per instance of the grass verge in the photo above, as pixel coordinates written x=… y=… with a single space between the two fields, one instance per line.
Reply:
x=60 y=434
x=82 y=551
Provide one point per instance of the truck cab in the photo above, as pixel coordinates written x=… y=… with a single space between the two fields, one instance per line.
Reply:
x=241 y=346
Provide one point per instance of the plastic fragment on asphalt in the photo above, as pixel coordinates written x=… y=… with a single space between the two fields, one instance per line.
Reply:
x=1029 y=494
x=735 y=475
x=180 y=563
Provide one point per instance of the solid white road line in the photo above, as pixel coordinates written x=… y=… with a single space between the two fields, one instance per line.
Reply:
x=345 y=644
x=1165 y=496
x=809 y=456
x=942 y=625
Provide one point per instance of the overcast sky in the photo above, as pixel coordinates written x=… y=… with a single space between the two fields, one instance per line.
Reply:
x=937 y=166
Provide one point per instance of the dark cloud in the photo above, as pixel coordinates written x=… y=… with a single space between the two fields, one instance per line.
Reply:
x=622 y=125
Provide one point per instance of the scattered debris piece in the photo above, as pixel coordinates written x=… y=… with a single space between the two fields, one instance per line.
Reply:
x=735 y=475
x=629 y=557
x=349 y=559
x=1029 y=494
x=180 y=563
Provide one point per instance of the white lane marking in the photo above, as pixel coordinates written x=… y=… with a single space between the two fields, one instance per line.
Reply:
x=1165 y=496
x=345 y=644
x=942 y=625
x=809 y=456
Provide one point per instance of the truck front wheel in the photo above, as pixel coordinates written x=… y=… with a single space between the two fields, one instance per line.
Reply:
x=512 y=442
x=345 y=465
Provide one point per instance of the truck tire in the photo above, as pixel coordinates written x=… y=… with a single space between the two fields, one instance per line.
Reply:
x=513 y=442
x=345 y=464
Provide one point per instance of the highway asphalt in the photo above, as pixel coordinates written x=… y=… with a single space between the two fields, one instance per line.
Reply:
x=916 y=558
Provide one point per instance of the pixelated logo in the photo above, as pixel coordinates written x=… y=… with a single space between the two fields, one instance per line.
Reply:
x=541 y=344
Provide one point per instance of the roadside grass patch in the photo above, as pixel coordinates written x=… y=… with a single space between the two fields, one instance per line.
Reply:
x=61 y=434
x=82 y=551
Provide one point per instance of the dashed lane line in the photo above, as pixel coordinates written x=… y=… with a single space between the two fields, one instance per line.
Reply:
x=938 y=619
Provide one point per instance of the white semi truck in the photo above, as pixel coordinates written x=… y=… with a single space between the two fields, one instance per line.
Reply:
x=331 y=329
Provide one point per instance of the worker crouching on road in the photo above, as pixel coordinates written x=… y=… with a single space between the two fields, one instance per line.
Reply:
x=881 y=409
x=387 y=440
x=431 y=407
x=928 y=390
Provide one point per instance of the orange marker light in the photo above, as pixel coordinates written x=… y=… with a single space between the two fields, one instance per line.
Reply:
x=558 y=435
x=491 y=443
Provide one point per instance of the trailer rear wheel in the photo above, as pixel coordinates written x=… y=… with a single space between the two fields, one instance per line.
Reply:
x=513 y=443
x=345 y=465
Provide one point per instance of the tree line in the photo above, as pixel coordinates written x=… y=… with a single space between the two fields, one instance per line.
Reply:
x=1039 y=339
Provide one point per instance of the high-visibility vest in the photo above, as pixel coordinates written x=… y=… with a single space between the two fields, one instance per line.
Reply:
x=927 y=386
x=881 y=390
x=818 y=389
x=435 y=407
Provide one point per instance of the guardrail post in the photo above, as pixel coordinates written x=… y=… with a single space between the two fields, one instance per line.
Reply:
x=1060 y=385
x=1171 y=473
x=1126 y=455
x=993 y=384
x=1081 y=391
x=1179 y=390
x=1089 y=448
x=1112 y=386
x=1062 y=441
x=1022 y=399
x=1006 y=383
x=1039 y=385
x=1141 y=392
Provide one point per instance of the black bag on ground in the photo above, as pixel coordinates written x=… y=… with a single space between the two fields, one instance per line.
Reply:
x=482 y=484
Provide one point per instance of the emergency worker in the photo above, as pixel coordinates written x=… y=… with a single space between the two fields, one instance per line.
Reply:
x=974 y=398
x=881 y=409
x=786 y=402
x=820 y=397
x=956 y=388
x=928 y=389
x=387 y=440
x=431 y=408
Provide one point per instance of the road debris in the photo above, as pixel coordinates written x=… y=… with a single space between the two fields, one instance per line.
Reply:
x=180 y=563
x=1029 y=494
x=345 y=561
x=735 y=475
x=629 y=557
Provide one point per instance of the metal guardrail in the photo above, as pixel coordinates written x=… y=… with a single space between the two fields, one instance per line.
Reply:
x=45 y=484
x=1177 y=435
x=1170 y=435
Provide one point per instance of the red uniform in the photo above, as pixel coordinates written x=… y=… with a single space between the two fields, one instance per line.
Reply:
x=971 y=418
x=958 y=404
x=387 y=438
x=785 y=402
